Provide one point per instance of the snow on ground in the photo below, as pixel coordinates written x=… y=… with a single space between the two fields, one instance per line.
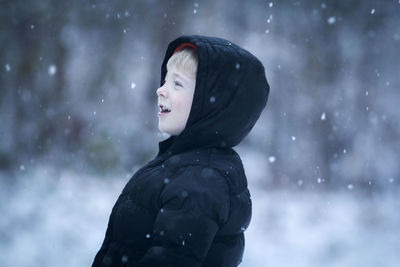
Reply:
x=53 y=218
x=323 y=229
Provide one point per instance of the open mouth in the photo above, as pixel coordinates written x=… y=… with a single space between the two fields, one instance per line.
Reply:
x=164 y=109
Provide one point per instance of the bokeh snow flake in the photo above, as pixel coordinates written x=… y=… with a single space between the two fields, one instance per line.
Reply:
x=350 y=186
x=52 y=69
x=332 y=20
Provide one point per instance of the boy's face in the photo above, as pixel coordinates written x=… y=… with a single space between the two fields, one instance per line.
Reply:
x=176 y=95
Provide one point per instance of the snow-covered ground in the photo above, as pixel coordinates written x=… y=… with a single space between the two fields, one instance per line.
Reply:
x=58 y=218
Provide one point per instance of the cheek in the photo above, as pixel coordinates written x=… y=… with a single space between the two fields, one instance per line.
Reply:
x=184 y=103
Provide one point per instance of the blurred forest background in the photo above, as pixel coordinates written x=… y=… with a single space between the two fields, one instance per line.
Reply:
x=78 y=116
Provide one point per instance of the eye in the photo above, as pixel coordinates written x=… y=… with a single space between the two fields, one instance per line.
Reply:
x=177 y=83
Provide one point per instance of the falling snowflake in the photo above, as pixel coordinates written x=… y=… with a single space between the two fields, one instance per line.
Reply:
x=133 y=85
x=331 y=20
x=350 y=186
x=271 y=159
x=52 y=70
x=373 y=11
x=323 y=116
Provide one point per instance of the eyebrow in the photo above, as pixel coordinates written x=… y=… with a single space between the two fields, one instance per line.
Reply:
x=178 y=75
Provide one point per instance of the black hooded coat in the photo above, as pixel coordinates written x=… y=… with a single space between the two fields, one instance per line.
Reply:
x=190 y=205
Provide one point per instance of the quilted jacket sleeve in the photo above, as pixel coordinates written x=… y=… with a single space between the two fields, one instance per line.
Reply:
x=193 y=205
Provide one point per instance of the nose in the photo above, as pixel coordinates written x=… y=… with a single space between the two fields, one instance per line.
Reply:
x=161 y=91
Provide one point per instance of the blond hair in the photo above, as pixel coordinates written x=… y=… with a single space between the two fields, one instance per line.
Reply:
x=185 y=60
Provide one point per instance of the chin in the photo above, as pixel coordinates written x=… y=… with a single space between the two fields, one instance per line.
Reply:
x=176 y=130
x=164 y=131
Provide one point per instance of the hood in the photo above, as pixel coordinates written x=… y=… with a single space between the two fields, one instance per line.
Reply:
x=231 y=92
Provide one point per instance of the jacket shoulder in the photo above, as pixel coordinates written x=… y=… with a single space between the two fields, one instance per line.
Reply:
x=224 y=161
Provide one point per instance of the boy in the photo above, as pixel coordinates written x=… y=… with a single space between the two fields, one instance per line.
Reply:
x=190 y=205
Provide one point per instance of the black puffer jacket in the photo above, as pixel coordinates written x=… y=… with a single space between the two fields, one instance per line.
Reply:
x=190 y=205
